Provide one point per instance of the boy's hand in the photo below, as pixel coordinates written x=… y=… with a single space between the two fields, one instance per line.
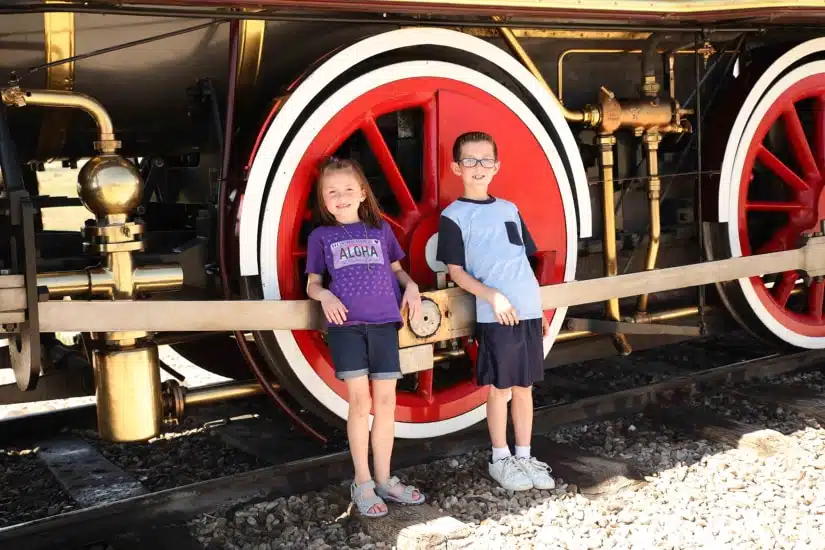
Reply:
x=505 y=313
x=334 y=310
x=545 y=326
x=412 y=298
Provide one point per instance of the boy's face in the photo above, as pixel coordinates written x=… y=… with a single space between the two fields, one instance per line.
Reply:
x=477 y=177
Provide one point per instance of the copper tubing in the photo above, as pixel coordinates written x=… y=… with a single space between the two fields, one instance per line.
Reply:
x=512 y=41
x=57 y=98
x=651 y=141
x=223 y=233
x=606 y=143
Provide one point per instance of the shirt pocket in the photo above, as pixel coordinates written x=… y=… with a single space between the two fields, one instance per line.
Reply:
x=513 y=233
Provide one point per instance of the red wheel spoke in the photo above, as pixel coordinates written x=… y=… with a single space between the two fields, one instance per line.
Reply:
x=761 y=206
x=780 y=241
x=799 y=143
x=782 y=291
x=429 y=189
x=819 y=132
x=815 y=296
x=781 y=169
x=425 y=384
x=299 y=252
x=388 y=165
x=393 y=222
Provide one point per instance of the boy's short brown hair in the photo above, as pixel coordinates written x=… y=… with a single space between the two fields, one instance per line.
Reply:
x=470 y=137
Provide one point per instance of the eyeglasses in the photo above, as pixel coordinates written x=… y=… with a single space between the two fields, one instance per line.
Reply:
x=470 y=162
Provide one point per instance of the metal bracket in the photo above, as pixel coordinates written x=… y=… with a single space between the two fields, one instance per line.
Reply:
x=24 y=347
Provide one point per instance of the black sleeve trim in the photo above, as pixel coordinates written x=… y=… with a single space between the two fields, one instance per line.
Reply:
x=529 y=243
x=450 y=243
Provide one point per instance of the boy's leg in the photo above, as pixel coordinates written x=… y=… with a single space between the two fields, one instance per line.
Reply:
x=522 y=411
x=497 y=417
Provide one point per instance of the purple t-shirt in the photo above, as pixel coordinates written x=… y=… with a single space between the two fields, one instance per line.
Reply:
x=359 y=269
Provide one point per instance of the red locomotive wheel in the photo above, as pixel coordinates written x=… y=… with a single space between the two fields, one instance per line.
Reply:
x=773 y=194
x=399 y=121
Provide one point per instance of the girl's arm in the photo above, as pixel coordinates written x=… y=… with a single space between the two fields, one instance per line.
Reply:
x=412 y=298
x=334 y=310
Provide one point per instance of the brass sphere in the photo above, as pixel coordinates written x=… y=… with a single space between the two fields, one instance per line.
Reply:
x=109 y=184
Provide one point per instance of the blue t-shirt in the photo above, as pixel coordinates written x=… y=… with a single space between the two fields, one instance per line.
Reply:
x=490 y=241
x=358 y=260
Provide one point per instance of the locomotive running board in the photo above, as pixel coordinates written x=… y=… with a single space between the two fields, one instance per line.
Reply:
x=455 y=305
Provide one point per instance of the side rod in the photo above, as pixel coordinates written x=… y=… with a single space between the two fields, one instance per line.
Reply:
x=456 y=305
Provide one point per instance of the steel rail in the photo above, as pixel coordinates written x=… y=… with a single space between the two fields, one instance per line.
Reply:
x=97 y=523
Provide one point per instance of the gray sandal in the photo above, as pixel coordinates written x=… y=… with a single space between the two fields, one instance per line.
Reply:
x=406 y=495
x=365 y=503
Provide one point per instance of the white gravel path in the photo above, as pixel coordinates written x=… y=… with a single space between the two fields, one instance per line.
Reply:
x=698 y=494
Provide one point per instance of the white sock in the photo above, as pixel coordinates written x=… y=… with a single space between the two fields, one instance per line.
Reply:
x=498 y=454
x=523 y=452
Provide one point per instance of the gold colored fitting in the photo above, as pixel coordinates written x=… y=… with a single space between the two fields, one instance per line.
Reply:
x=127 y=383
x=16 y=97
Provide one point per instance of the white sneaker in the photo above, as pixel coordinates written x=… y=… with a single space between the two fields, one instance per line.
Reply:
x=538 y=472
x=510 y=475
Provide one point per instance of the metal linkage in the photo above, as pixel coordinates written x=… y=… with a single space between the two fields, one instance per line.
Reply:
x=127 y=376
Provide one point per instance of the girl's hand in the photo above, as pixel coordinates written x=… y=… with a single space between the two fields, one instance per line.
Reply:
x=412 y=298
x=334 y=310
x=545 y=326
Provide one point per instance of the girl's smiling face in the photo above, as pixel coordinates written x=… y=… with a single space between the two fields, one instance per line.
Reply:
x=342 y=195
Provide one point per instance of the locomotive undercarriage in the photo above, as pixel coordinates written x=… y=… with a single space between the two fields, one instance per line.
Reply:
x=220 y=162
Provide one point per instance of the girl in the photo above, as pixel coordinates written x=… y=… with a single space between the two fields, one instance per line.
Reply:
x=361 y=306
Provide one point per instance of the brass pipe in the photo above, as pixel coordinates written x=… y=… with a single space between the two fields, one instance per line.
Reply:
x=64 y=283
x=565 y=53
x=606 y=143
x=158 y=278
x=654 y=186
x=642 y=318
x=512 y=41
x=223 y=392
x=57 y=98
x=176 y=398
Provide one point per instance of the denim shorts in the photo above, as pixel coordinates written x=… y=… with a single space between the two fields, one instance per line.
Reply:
x=362 y=349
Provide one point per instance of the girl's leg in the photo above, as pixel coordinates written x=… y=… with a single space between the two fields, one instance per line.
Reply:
x=522 y=410
x=358 y=392
x=383 y=432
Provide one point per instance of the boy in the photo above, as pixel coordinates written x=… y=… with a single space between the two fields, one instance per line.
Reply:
x=485 y=244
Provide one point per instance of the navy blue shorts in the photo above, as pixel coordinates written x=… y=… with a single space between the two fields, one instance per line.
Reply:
x=510 y=356
x=362 y=349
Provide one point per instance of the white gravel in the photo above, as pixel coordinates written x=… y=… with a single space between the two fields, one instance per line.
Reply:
x=698 y=494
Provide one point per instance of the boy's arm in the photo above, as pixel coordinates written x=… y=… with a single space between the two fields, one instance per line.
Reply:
x=529 y=244
x=505 y=312
x=451 y=252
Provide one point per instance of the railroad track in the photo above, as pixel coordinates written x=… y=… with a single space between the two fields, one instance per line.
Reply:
x=112 y=503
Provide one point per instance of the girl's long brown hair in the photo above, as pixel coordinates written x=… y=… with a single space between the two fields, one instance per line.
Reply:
x=368 y=211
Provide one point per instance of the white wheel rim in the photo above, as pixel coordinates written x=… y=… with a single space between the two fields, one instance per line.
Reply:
x=737 y=166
